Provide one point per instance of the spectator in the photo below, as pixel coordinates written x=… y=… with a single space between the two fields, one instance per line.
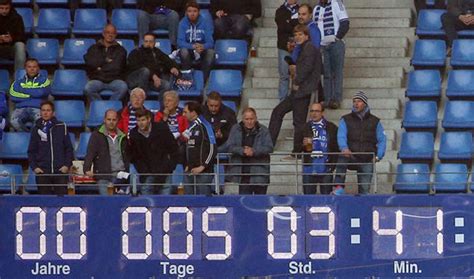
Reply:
x=421 y=4
x=27 y=93
x=320 y=138
x=12 y=34
x=250 y=144
x=195 y=40
x=127 y=118
x=333 y=23
x=149 y=67
x=286 y=18
x=152 y=147
x=3 y=112
x=221 y=117
x=50 y=152
x=233 y=18
x=304 y=17
x=359 y=131
x=200 y=152
x=460 y=16
x=173 y=116
x=306 y=79
x=101 y=4
x=107 y=152
x=105 y=63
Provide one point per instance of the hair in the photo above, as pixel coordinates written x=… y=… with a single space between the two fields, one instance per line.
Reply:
x=140 y=112
x=301 y=28
x=194 y=106
x=30 y=59
x=214 y=95
x=137 y=90
x=308 y=6
x=46 y=102
x=171 y=93
x=110 y=24
x=109 y=110
x=317 y=103
x=249 y=109
x=149 y=34
x=6 y=2
x=192 y=4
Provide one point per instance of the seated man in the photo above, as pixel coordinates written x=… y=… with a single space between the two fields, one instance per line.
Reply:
x=27 y=93
x=459 y=17
x=195 y=40
x=105 y=63
x=221 y=117
x=127 y=118
x=12 y=34
x=232 y=18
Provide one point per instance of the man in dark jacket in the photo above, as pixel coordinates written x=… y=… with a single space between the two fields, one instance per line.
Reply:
x=105 y=63
x=149 y=68
x=107 y=151
x=50 y=152
x=12 y=34
x=250 y=144
x=152 y=149
x=320 y=138
x=460 y=16
x=221 y=117
x=232 y=18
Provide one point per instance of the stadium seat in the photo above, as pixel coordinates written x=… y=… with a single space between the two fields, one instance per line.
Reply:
x=69 y=83
x=431 y=3
x=462 y=53
x=460 y=84
x=21 y=73
x=420 y=115
x=130 y=3
x=53 y=22
x=98 y=109
x=4 y=80
x=52 y=3
x=81 y=150
x=27 y=16
x=429 y=53
x=128 y=44
x=125 y=20
x=74 y=51
x=231 y=52
x=164 y=45
x=14 y=145
x=31 y=182
x=206 y=14
x=204 y=2
x=458 y=115
x=424 y=84
x=22 y=3
x=412 y=178
x=226 y=82
x=161 y=32
x=451 y=178
x=45 y=50
x=455 y=146
x=231 y=105
x=416 y=146
x=89 y=21
x=178 y=175
x=153 y=106
x=429 y=23
x=10 y=173
x=199 y=86
x=72 y=113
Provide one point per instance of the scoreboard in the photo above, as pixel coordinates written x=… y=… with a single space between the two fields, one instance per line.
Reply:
x=236 y=236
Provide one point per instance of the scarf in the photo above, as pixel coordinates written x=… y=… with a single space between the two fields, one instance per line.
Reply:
x=46 y=126
x=292 y=8
x=320 y=146
x=327 y=17
x=132 y=118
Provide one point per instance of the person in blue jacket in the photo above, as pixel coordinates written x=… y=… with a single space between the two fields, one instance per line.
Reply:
x=195 y=40
x=3 y=112
x=27 y=93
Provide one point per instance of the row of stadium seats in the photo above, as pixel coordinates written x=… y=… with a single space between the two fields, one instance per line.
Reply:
x=426 y=84
x=432 y=53
x=423 y=115
x=429 y=25
x=88 y=3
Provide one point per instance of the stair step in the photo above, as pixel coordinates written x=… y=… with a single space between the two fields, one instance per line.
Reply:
x=348 y=72
x=348 y=82
x=287 y=145
x=366 y=42
x=334 y=115
x=362 y=13
x=382 y=32
x=374 y=4
x=377 y=62
x=372 y=93
x=375 y=52
x=360 y=22
x=388 y=103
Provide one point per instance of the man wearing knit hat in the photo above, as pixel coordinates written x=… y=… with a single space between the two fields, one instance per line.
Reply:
x=359 y=131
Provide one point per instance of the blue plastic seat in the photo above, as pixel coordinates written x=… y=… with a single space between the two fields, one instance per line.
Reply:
x=164 y=45
x=128 y=44
x=227 y=82
x=73 y=113
x=10 y=173
x=231 y=105
x=416 y=146
x=455 y=146
x=153 y=106
x=27 y=16
x=81 y=150
x=14 y=145
x=420 y=115
x=178 y=175
x=45 y=50
x=53 y=22
x=459 y=115
x=69 y=83
x=199 y=86
x=22 y=3
x=431 y=3
x=4 y=80
x=429 y=53
x=205 y=3
x=74 y=51
x=89 y=21
x=463 y=53
x=130 y=3
x=21 y=73
x=125 y=20
x=231 y=52
x=424 y=84
x=412 y=178
x=460 y=84
x=98 y=109
x=429 y=23
x=451 y=178
x=52 y=3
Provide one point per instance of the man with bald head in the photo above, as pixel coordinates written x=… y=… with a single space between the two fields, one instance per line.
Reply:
x=106 y=63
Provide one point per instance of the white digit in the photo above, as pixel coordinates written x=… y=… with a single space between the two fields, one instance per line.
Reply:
x=439 y=226
x=396 y=232
x=82 y=238
x=19 y=229
x=329 y=232
x=224 y=234
x=148 y=238
x=293 y=227
x=166 y=229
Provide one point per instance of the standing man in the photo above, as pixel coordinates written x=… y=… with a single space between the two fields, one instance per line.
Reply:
x=50 y=152
x=12 y=34
x=152 y=149
x=320 y=138
x=201 y=151
x=460 y=16
x=221 y=117
x=359 y=131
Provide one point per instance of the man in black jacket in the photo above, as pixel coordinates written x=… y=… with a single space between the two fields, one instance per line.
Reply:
x=149 y=67
x=221 y=117
x=50 y=152
x=105 y=63
x=460 y=16
x=232 y=18
x=12 y=34
x=152 y=147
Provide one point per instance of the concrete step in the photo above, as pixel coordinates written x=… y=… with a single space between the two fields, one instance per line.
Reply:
x=263 y=62
x=359 y=22
x=265 y=32
x=262 y=93
x=287 y=145
x=348 y=72
x=405 y=32
x=375 y=4
x=264 y=114
x=389 y=103
x=348 y=83
x=362 y=13
x=378 y=62
x=364 y=42
x=375 y=52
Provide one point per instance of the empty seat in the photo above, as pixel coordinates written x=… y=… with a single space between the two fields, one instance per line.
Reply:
x=81 y=150
x=125 y=20
x=451 y=178
x=55 y=3
x=14 y=145
x=227 y=82
x=53 y=22
x=89 y=21
x=21 y=73
x=153 y=106
x=231 y=52
x=429 y=53
x=98 y=109
x=429 y=23
x=462 y=53
x=27 y=16
x=69 y=83
x=459 y=115
x=4 y=80
x=45 y=50
x=420 y=115
x=74 y=51
x=73 y=113
x=164 y=45
x=455 y=146
x=424 y=84
x=412 y=178
x=128 y=44
x=231 y=105
x=198 y=86
x=10 y=173
x=460 y=84
x=416 y=146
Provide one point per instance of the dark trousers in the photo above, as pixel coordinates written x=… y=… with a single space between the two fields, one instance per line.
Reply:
x=299 y=107
x=311 y=182
x=45 y=183
x=206 y=60
x=421 y=4
x=452 y=25
x=231 y=27
x=245 y=188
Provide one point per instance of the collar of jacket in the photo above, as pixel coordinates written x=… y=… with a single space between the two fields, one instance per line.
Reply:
x=101 y=42
x=54 y=120
x=255 y=129
x=103 y=131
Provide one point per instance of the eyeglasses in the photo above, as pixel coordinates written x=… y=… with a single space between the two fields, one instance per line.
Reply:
x=148 y=41
x=315 y=110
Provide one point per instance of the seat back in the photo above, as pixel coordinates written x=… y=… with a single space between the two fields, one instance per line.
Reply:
x=451 y=178
x=70 y=112
x=46 y=51
x=226 y=82
x=74 y=51
x=128 y=44
x=10 y=173
x=462 y=53
x=412 y=178
x=429 y=53
x=460 y=84
x=98 y=109
x=4 y=80
x=89 y=21
x=53 y=21
x=429 y=23
x=455 y=146
x=424 y=83
x=458 y=115
x=125 y=20
x=417 y=146
x=420 y=114
x=231 y=52
x=27 y=16
x=69 y=82
x=81 y=150
x=14 y=145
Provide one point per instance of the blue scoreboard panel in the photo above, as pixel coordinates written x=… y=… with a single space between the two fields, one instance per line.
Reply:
x=236 y=236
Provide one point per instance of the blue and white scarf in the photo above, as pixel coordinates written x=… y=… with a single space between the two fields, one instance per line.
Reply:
x=328 y=19
x=292 y=8
x=319 y=156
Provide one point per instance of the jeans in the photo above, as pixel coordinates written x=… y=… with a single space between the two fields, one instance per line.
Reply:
x=17 y=52
x=154 y=184
x=149 y=22
x=200 y=184
x=141 y=78
x=452 y=25
x=310 y=182
x=23 y=119
x=284 y=84
x=245 y=188
x=206 y=60
x=333 y=56
x=231 y=27
x=93 y=88
x=364 y=173
x=104 y=183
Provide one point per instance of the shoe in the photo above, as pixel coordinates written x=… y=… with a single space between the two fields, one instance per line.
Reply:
x=291 y=158
x=338 y=190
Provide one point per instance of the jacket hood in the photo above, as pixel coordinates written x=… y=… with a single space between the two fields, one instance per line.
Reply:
x=199 y=22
